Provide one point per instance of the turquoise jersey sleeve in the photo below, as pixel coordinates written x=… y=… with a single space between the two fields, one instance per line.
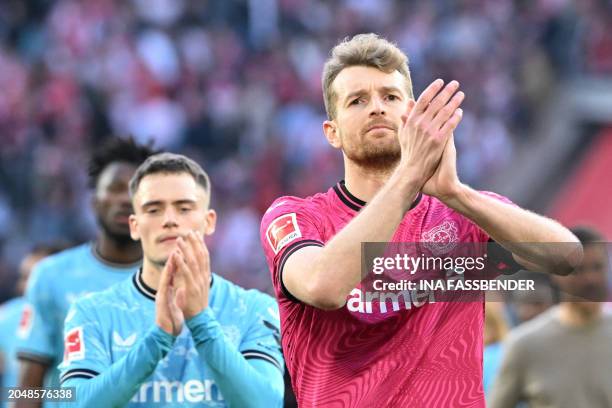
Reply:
x=87 y=365
x=252 y=383
x=36 y=334
x=262 y=338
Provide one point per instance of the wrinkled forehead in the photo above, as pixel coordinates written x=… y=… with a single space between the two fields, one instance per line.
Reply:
x=369 y=79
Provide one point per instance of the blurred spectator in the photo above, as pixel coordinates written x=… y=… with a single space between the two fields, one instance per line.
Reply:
x=11 y=314
x=495 y=331
x=528 y=304
x=563 y=357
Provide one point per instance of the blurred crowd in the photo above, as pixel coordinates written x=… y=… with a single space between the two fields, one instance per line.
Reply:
x=236 y=85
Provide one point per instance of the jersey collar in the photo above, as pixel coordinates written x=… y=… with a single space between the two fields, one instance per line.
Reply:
x=357 y=204
x=114 y=265
x=147 y=291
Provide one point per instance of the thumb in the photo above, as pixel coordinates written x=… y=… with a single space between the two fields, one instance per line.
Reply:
x=409 y=108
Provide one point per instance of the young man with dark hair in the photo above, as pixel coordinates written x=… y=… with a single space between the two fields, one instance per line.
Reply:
x=400 y=185
x=60 y=279
x=175 y=334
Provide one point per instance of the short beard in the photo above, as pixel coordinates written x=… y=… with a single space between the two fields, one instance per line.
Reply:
x=377 y=159
x=120 y=239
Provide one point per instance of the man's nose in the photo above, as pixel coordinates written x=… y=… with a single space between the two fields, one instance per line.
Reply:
x=170 y=219
x=377 y=106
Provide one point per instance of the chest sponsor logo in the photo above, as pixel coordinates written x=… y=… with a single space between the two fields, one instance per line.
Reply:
x=381 y=302
x=74 y=347
x=282 y=231
x=177 y=391
x=25 y=323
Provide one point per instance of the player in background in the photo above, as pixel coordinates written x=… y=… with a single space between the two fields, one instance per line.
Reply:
x=11 y=314
x=60 y=279
x=563 y=357
x=400 y=185
x=175 y=334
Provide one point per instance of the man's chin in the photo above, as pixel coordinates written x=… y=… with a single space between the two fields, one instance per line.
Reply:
x=160 y=262
x=376 y=158
x=119 y=233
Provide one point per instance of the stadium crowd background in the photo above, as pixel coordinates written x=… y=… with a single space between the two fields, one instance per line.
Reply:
x=236 y=85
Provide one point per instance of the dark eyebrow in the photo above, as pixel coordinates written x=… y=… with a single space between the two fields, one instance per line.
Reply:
x=151 y=203
x=184 y=201
x=391 y=89
x=354 y=94
x=154 y=203
x=384 y=89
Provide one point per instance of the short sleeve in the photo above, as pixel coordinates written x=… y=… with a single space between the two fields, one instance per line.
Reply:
x=85 y=355
x=287 y=226
x=262 y=339
x=36 y=332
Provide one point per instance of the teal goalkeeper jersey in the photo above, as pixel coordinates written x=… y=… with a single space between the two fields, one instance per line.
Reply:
x=102 y=328
x=56 y=282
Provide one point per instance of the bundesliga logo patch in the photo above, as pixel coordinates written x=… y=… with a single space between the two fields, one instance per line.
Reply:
x=282 y=231
x=74 y=347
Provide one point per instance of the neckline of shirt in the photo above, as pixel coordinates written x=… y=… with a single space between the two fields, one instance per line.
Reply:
x=148 y=291
x=357 y=204
x=114 y=265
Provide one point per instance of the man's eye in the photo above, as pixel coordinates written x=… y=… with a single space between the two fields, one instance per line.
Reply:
x=392 y=97
x=152 y=211
x=356 y=101
x=185 y=209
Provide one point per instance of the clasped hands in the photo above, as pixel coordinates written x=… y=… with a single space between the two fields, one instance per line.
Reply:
x=184 y=283
x=426 y=139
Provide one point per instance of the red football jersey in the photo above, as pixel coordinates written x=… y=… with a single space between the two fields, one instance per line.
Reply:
x=424 y=355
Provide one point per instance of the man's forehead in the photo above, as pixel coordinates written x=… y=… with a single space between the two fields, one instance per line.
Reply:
x=166 y=187
x=122 y=171
x=355 y=78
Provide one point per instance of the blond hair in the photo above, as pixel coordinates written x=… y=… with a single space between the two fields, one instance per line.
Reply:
x=368 y=50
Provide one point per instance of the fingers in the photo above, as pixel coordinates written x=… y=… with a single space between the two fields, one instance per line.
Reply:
x=201 y=256
x=447 y=111
x=435 y=106
x=186 y=247
x=427 y=96
x=451 y=124
x=166 y=275
x=409 y=108
x=440 y=100
x=184 y=269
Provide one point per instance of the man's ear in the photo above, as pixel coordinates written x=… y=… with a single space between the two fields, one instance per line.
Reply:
x=330 y=128
x=134 y=228
x=211 y=222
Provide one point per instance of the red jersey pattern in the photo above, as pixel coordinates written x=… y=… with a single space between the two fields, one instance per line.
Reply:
x=425 y=355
